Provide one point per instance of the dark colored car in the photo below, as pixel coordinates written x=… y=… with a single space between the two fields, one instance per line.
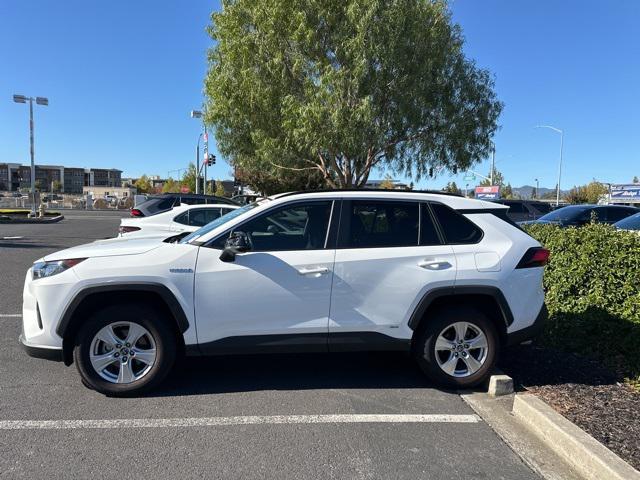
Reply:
x=578 y=215
x=245 y=199
x=523 y=210
x=162 y=203
x=629 y=223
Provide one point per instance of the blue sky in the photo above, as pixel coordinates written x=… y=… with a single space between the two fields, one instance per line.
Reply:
x=123 y=75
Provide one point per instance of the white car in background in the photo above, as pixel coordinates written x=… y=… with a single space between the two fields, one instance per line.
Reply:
x=182 y=219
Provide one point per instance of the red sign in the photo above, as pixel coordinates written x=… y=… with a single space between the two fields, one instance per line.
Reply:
x=184 y=189
x=488 y=193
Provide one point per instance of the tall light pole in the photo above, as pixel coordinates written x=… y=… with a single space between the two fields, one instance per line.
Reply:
x=198 y=114
x=40 y=101
x=537 y=187
x=561 y=132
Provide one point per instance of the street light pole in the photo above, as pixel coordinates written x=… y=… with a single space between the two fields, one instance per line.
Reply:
x=40 y=101
x=198 y=114
x=561 y=132
x=537 y=188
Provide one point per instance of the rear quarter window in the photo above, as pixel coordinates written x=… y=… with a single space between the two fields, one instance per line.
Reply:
x=456 y=228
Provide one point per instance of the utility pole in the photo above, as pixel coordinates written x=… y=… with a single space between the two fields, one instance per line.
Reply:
x=561 y=132
x=40 y=101
x=493 y=162
x=537 y=186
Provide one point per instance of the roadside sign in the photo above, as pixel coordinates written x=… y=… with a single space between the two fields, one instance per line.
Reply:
x=184 y=189
x=488 y=193
x=626 y=193
x=469 y=177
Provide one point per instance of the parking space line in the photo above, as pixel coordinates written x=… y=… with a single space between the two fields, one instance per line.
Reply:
x=223 y=421
x=10 y=315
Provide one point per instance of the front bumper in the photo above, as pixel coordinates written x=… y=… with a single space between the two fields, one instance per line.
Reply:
x=530 y=332
x=41 y=351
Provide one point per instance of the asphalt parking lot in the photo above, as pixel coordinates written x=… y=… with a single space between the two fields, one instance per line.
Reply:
x=304 y=416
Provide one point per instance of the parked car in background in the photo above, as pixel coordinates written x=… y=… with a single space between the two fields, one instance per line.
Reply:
x=578 y=215
x=523 y=210
x=52 y=197
x=629 y=223
x=185 y=218
x=246 y=199
x=161 y=203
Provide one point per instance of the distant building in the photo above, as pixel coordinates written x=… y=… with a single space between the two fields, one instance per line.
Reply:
x=14 y=177
x=397 y=185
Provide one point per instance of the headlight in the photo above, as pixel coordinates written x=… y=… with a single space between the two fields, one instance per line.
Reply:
x=46 y=269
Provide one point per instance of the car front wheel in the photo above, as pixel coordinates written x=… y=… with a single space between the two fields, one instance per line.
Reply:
x=457 y=347
x=124 y=350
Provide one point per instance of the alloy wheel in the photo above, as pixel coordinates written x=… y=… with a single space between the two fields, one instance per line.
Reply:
x=122 y=352
x=461 y=349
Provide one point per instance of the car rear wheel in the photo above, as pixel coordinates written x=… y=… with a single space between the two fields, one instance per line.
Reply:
x=457 y=347
x=125 y=350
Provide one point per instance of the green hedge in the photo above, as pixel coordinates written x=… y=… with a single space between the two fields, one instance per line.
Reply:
x=592 y=286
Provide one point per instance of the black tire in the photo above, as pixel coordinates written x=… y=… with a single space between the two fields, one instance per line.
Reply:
x=425 y=339
x=144 y=315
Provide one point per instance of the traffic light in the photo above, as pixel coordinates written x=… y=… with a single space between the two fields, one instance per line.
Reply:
x=431 y=172
x=455 y=169
x=211 y=160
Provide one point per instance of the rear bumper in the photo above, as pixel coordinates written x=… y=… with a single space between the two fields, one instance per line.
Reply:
x=530 y=332
x=39 y=351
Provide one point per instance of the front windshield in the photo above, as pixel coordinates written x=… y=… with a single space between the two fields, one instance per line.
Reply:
x=629 y=223
x=564 y=214
x=218 y=221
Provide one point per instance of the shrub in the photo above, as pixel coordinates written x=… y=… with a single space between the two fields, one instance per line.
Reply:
x=592 y=286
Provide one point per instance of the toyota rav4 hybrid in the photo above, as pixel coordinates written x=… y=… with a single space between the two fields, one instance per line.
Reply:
x=447 y=278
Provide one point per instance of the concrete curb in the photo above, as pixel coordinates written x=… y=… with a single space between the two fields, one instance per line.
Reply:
x=584 y=453
x=32 y=220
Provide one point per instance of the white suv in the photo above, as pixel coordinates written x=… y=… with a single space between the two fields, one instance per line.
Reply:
x=448 y=278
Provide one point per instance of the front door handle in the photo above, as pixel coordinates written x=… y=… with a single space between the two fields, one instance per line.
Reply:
x=434 y=265
x=313 y=271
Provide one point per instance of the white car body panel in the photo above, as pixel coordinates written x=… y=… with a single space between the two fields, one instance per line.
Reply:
x=290 y=302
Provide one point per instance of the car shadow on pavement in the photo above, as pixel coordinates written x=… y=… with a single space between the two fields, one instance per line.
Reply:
x=245 y=373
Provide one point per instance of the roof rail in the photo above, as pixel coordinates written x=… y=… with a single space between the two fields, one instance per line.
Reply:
x=377 y=190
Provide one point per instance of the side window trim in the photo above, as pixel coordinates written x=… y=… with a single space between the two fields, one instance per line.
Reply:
x=332 y=201
x=436 y=224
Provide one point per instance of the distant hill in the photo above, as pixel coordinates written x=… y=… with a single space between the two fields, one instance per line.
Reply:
x=525 y=191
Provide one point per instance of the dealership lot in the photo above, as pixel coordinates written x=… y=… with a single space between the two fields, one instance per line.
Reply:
x=305 y=416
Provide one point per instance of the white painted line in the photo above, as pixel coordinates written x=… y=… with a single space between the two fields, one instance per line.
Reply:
x=10 y=315
x=220 y=421
x=11 y=238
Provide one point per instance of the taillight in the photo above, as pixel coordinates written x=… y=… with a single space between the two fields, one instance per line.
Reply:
x=136 y=213
x=534 y=257
x=127 y=229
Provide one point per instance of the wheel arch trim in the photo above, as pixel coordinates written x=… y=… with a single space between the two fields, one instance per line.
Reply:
x=163 y=291
x=453 y=291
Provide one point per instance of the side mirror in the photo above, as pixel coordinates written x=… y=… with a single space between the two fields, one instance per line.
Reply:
x=238 y=242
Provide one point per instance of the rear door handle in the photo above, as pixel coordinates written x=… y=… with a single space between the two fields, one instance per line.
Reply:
x=313 y=271
x=434 y=265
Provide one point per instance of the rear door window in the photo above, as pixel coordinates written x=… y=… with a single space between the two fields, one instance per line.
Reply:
x=376 y=224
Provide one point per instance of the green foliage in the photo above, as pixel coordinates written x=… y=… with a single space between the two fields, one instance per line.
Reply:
x=170 y=186
x=589 y=193
x=143 y=184
x=451 y=187
x=387 y=183
x=270 y=181
x=38 y=185
x=219 y=189
x=189 y=178
x=56 y=186
x=592 y=286
x=339 y=87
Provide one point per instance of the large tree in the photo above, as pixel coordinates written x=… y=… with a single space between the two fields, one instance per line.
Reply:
x=342 y=86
